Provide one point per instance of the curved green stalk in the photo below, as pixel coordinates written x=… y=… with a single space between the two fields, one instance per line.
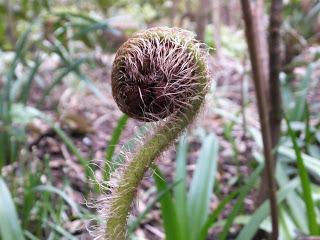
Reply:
x=132 y=173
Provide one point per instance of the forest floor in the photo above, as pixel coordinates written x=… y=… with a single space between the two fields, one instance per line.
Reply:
x=90 y=120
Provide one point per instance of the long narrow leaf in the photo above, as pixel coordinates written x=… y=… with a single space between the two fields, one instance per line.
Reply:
x=63 y=195
x=202 y=186
x=310 y=162
x=305 y=183
x=287 y=227
x=295 y=204
x=10 y=228
x=59 y=229
x=115 y=137
x=70 y=145
x=237 y=207
x=21 y=43
x=215 y=214
x=300 y=102
x=168 y=209
x=135 y=224
x=60 y=77
x=263 y=211
x=180 y=190
x=92 y=87
x=27 y=87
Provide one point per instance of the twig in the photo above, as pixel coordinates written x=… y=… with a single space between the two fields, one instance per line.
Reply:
x=202 y=15
x=258 y=16
x=274 y=70
x=275 y=103
x=216 y=16
x=262 y=109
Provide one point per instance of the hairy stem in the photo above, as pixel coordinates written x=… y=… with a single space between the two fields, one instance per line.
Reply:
x=132 y=173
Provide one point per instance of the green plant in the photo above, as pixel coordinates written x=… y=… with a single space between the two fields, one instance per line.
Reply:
x=305 y=184
x=297 y=98
x=184 y=214
x=155 y=97
x=291 y=203
x=296 y=205
x=253 y=222
x=112 y=145
x=301 y=20
x=14 y=92
x=42 y=209
x=10 y=227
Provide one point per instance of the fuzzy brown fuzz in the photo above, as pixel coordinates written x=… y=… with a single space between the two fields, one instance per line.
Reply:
x=154 y=73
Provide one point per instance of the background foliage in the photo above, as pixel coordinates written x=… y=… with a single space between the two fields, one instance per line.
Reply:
x=59 y=124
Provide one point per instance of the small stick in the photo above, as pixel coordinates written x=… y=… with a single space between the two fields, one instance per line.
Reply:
x=263 y=111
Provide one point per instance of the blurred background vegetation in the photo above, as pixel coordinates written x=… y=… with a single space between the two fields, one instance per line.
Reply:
x=61 y=132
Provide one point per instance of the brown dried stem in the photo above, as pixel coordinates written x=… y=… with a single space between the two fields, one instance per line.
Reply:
x=262 y=109
x=275 y=103
x=202 y=17
x=275 y=67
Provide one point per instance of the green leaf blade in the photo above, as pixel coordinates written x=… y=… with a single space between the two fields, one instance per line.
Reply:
x=115 y=137
x=305 y=183
x=10 y=228
x=168 y=209
x=181 y=189
x=202 y=185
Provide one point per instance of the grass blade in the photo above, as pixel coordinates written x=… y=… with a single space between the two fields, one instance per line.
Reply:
x=305 y=183
x=10 y=228
x=135 y=224
x=202 y=186
x=237 y=207
x=27 y=86
x=103 y=25
x=19 y=50
x=66 y=235
x=5 y=95
x=287 y=227
x=92 y=87
x=72 y=67
x=168 y=209
x=68 y=14
x=295 y=204
x=63 y=195
x=263 y=211
x=298 y=113
x=310 y=162
x=215 y=214
x=74 y=150
x=30 y=236
x=129 y=146
x=112 y=145
x=180 y=190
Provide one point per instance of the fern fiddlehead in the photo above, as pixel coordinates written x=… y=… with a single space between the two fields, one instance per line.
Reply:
x=158 y=75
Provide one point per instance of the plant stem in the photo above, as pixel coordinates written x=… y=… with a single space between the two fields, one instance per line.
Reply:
x=132 y=173
x=201 y=18
x=275 y=67
x=262 y=109
x=275 y=105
